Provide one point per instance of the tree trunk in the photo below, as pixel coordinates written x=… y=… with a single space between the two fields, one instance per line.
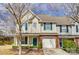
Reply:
x=20 y=38
x=19 y=47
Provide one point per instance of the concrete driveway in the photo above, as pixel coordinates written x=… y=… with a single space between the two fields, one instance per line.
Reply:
x=54 y=52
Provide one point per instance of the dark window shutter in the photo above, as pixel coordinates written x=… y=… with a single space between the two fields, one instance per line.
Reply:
x=26 y=26
x=60 y=28
x=76 y=28
x=67 y=28
x=44 y=26
x=51 y=26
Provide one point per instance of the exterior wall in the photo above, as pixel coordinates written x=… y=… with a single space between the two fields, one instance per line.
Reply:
x=28 y=16
x=77 y=41
x=37 y=29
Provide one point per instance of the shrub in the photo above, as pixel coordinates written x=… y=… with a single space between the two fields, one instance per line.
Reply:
x=33 y=47
x=1 y=43
x=14 y=46
x=8 y=42
x=23 y=47
x=40 y=45
x=69 y=45
x=77 y=50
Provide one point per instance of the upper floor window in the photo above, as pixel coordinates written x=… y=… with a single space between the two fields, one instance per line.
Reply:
x=77 y=28
x=35 y=25
x=47 y=26
x=64 y=28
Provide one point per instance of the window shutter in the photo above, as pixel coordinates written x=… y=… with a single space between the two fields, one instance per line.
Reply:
x=44 y=26
x=76 y=28
x=67 y=28
x=51 y=26
x=60 y=28
x=26 y=26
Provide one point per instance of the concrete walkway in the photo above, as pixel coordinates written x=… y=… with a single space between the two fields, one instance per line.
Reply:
x=54 y=52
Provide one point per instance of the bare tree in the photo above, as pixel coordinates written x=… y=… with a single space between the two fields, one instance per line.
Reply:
x=72 y=11
x=18 y=11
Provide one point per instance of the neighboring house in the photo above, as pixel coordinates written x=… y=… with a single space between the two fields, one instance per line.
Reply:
x=48 y=30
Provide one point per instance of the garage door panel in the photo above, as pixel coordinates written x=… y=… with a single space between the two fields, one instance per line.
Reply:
x=49 y=43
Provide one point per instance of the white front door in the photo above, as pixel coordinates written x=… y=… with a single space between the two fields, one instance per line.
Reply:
x=48 y=43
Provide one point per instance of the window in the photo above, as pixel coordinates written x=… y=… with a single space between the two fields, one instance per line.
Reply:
x=35 y=25
x=47 y=26
x=24 y=41
x=26 y=26
x=77 y=28
x=64 y=28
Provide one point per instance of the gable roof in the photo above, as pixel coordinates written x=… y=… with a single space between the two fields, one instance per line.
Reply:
x=59 y=20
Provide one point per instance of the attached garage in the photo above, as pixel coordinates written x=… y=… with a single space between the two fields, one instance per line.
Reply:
x=49 y=43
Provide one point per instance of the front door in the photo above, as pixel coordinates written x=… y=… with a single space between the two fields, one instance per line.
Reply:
x=34 y=41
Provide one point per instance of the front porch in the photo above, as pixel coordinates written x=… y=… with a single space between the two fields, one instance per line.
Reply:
x=29 y=41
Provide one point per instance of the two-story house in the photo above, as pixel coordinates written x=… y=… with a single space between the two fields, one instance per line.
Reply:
x=48 y=30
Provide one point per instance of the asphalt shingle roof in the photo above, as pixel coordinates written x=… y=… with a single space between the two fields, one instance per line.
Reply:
x=59 y=20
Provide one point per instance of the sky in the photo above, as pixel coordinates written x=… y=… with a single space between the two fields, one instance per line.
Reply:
x=40 y=8
x=55 y=10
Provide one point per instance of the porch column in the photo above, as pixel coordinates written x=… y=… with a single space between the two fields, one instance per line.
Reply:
x=15 y=40
x=28 y=41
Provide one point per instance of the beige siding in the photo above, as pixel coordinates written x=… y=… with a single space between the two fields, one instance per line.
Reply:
x=49 y=31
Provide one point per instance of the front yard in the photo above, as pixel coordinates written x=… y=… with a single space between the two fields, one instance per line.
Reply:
x=68 y=45
x=7 y=50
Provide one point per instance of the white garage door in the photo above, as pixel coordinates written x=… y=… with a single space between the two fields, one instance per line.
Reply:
x=49 y=43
